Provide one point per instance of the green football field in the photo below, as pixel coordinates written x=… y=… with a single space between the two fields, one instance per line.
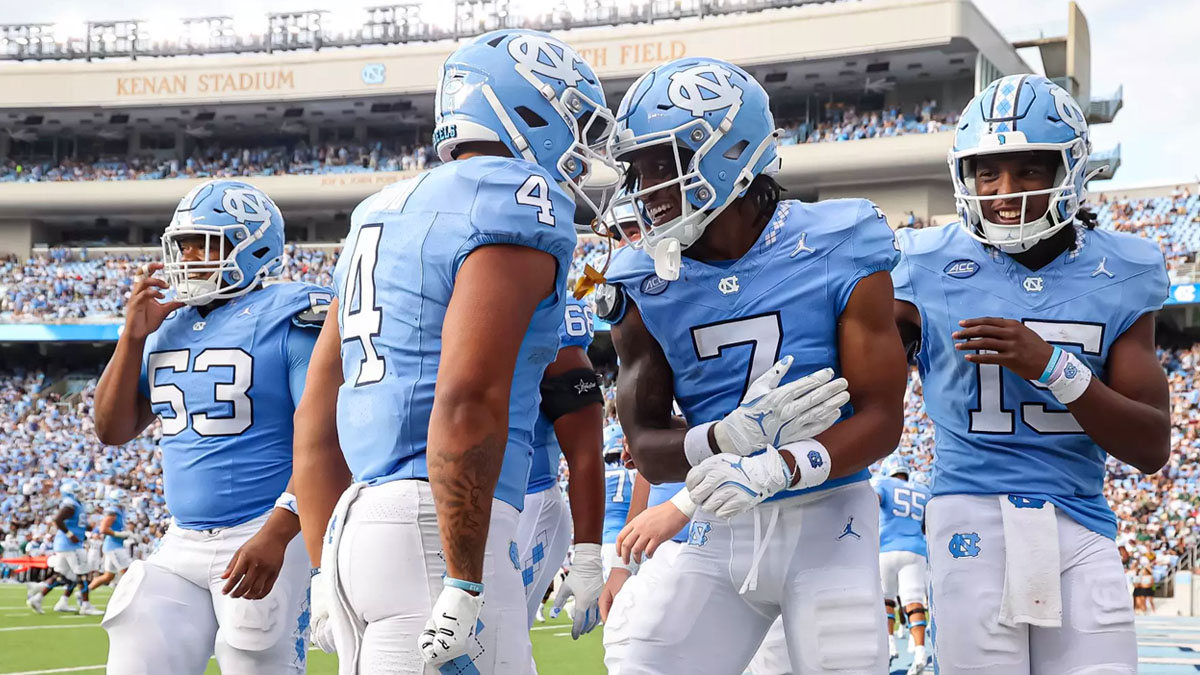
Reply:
x=32 y=644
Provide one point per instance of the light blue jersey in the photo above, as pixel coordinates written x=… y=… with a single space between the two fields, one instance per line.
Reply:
x=662 y=493
x=394 y=281
x=77 y=524
x=618 y=489
x=226 y=386
x=576 y=330
x=721 y=325
x=901 y=515
x=994 y=432
x=111 y=543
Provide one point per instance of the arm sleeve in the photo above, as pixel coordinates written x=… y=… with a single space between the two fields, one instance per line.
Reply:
x=300 y=343
x=872 y=248
x=1145 y=293
x=902 y=282
x=519 y=204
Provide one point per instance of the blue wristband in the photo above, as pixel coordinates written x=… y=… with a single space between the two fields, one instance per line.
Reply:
x=1050 y=365
x=468 y=586
x=313 y=571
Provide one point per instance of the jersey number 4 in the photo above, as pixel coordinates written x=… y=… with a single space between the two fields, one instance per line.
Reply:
x=361 y=316
x=992 y=417
x=233 y=392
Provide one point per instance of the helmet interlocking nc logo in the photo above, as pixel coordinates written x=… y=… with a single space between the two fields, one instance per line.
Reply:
x=545 y=58
x=246 y=205
x=703 y=89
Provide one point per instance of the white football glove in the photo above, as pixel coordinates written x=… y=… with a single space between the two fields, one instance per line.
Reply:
x=450 y=630
x=776 y=415
x=320 y=625
x=727 y=485
x=585 y=582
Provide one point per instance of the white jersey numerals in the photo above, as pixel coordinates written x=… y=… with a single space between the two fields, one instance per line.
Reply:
x=233 y=392
x=909 y=504
x=535 y=192
x=578 y=321
x=361 y=316
x=620 y=475
x=762 y=333
x=992 y=417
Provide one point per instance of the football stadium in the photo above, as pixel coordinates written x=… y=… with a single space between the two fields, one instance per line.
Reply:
x=323 y=125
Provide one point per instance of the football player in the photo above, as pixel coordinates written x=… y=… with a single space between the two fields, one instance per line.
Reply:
x=769 y=290
x=222 y=363
x=451 y=291
x=116 y=555
x=902 y=554
x=571 y=423
x=618 y=491
x=1036 y=352
x=70 y=561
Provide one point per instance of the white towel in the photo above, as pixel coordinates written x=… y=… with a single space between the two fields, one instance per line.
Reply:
x=346 y=626
x=1032 y=577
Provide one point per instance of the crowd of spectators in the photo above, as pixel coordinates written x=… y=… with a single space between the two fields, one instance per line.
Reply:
x=846 y=123
x=226 y=162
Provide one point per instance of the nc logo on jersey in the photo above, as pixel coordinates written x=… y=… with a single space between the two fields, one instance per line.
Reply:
x=246 y=205
x=964 y=545
x=698 y=532
x=654 y=284
x=728 y=285
x=703 y=89
x=543 y=57
x=961 y=269
x=1034 y=284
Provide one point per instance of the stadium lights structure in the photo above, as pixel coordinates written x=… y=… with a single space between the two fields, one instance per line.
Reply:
x=411 y=21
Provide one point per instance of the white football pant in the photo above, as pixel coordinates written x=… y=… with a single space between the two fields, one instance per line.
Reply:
x=1097 y=635
x=543 y=537
x=168 y=611
x=117 y=560
x=631 y=600
x=903 y=573
x=813 y=559
x=390 y=569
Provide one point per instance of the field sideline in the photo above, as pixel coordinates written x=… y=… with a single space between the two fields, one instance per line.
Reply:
x=32 y=644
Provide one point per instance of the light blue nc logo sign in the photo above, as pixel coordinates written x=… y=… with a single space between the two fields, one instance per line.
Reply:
x=698 y=532
x=374 y=73
x=964 y=545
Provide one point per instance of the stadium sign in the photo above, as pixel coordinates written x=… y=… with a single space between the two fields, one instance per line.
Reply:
x=620 y=54
x=262 y=80
x=1183 y=294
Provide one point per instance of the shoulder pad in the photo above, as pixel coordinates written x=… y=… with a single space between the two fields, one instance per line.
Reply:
x=313 y=316
x=610 y=303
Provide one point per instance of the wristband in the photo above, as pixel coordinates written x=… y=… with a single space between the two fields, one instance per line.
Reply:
x=287 y=502
x=1074 y=378
x=812 y=463
x=313 y=571
x=468 y=586
x=695 y=444
x=1055 y=356
x=683 y=501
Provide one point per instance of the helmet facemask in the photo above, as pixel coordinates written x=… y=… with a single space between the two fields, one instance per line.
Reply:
x=200 y=282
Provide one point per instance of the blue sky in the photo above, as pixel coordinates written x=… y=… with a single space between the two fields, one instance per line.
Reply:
x=1149 y=47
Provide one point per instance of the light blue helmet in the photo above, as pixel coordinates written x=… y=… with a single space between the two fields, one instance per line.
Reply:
x=895 y=464
x=69 y=488
x=536 y=95
x=238 y=218
x=1021 y=113
x=920 y=477
x=614 y=441
x=116 y=496
x=720 y=116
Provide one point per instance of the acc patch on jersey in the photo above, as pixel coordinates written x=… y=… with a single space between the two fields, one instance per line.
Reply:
x=314 y=315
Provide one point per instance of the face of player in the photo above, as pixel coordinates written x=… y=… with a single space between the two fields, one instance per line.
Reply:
x=191 y=249
x=1010 y=173
x=653 y=166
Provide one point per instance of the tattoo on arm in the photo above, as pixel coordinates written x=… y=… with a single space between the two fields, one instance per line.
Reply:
x=463 y=484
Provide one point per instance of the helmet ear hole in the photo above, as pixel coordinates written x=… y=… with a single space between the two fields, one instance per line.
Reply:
x=736 y=151
x=534 y=120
